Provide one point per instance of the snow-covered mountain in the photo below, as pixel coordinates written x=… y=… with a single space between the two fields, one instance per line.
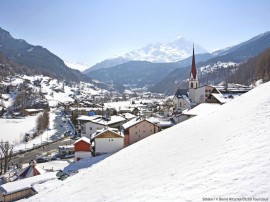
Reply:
x=161 y=52
x=173 y=51
x=76 y=65
x=215 y=156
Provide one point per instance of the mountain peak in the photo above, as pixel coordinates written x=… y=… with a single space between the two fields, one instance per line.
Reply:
x=178 y=37
x=158 y=52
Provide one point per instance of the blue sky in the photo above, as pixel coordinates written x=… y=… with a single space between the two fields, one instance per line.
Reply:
x=90 y=31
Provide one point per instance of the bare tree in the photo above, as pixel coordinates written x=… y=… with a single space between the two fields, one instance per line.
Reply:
x=39 y=124
x=42 y=122
x=6 y=151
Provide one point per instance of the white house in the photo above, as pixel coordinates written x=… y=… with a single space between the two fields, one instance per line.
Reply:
x=107 y=141
x=90 y=124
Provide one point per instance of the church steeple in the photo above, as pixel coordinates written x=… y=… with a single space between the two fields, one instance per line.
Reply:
x=193 y=78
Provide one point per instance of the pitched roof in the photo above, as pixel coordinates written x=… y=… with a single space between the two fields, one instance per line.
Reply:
x=30 y=171
x=97 y=134
x=193 y=67
x=85 y=139
x=135 y=121
x=102 y=121
x=180 y=92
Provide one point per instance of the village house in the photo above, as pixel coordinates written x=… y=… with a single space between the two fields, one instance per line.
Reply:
x=224 y=94
x=66 y=150
x=90 y=124
x=106 y=141
x=82 y=148
x=138 y=129
x=132 y=110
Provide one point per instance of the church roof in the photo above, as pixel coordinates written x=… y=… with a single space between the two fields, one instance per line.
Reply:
x=180 y=92
x=193 y=67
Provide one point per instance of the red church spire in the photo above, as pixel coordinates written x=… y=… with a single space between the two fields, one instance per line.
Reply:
x=193 y=67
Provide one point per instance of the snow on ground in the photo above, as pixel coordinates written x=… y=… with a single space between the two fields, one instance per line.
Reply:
x=117 y=105
x=224 y=154
x=57 y=129
x=55 y=165
x=13 y=130
x=202 y=109
x=217 y=65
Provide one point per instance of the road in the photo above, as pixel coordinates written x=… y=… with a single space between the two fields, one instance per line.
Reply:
x=52 y=147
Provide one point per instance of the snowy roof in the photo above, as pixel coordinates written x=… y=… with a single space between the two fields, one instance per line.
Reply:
x=66 y=146
x=88 y=118
x=85 y=139
x=134 y=121
x=128 y=115
x=224 y=98
x=112 y=120
x=98 y=133
x=131 y=123
x=160 y=122
x=203 y=108
x=33 y=110
x=86 y=108
x=18 y=185
x=102 y=121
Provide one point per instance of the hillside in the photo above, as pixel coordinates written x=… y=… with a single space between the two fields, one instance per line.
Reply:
x=8 y=67
x=37 y=59
x=223 y=154
x=252 y=70
x=141 y=73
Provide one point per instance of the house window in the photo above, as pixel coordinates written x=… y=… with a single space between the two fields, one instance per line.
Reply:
x=191 y=85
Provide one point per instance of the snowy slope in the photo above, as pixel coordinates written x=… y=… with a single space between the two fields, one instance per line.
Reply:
x=224 y=154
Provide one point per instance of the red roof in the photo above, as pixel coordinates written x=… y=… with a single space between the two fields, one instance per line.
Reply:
x=193 y=67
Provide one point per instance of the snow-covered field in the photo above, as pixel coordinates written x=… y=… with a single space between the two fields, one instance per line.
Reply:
x=57 y=129
x=221 y=155
x=13 y=130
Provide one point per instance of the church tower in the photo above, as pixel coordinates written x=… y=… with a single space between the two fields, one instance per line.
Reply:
x=193 y=78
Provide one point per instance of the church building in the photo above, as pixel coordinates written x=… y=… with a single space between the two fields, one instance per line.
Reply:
x=193 y=83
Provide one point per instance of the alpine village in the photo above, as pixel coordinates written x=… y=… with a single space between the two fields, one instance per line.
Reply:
x=58 y=123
